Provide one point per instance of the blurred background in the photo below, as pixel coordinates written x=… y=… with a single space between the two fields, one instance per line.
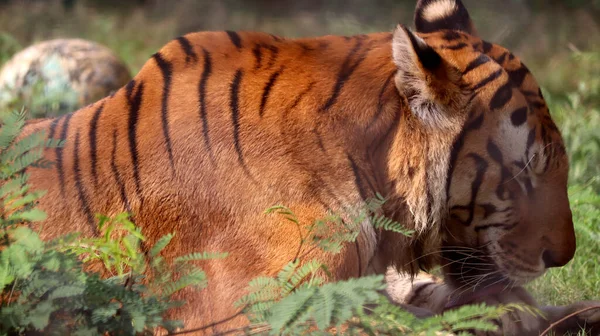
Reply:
x=559 y=40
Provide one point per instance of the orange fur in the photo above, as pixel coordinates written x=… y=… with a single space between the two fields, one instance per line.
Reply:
x=317 y=124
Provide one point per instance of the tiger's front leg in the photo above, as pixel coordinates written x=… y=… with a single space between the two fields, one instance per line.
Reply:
x=258 y=245
x=426 y=295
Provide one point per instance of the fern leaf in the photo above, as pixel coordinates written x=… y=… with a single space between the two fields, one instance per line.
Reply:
x=201 y=256
x=307 y=269
x=196 y=278
x=287 y=271
x=161 y=244
x=291 y=310
x=66 y=291
x=12 y=123
x=382 y=222
x=32 y=215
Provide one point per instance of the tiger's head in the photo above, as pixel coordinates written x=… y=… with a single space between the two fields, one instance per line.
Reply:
x=506 y=218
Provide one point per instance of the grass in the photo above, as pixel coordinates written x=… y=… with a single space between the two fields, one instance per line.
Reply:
x=571 y=79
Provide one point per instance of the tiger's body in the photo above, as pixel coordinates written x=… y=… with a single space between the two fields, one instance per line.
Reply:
x=219 y=126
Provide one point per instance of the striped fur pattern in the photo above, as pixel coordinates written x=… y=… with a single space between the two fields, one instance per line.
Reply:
x=218 y=126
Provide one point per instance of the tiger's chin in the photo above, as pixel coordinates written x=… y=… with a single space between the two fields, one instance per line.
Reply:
x=484 y=274
x=516 y=271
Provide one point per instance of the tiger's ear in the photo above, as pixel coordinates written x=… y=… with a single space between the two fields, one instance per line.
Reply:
x=427 y=82
x=435 y=15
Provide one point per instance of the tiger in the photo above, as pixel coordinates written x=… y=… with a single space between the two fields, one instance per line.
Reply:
x=427 y=295
x=74 y=72
x=218 y=126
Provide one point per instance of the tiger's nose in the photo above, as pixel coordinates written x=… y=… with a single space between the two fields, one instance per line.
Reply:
x=551 y=259
x=561 y=251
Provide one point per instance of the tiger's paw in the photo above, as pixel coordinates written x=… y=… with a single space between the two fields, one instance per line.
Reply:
x=574 y=318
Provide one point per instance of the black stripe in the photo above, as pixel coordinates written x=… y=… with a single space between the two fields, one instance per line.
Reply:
x=316 y=183
x=93 y=136
x=502 y=96
x=166 y=68
x=202 y=101
x=325 y=44
x=503 y=226
x=456 y=46
x=418 y=291
x=500 y=60
x=83 y=199
x=359 y=257
x=59 y=153
x=306 y=47
x=235 y=38
x=488 y=79
x=274 y=52
x=530 y=141
x=528 y=184
x=451 y=35
x=474 y=64
x=494 y=151
x=53 y=125
x=297 y=100
x=518 y=76
x=187 y=49
x=519 y=116
x=380 y=100
x=473 y=123
x=480 y=167
x=135 y=102
x=117 y=175
x=257 y=55
x=357 y=178
x=267 y=90
x=487 y=47
x=319 y=140
x=393 y=125
x=488 y=209
x=235 y=116
x=346 y=70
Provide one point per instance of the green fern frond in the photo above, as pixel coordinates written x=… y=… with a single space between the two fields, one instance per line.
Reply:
x=201 y=256
x=382 y=222
x=196 y=278
x=283 y=210
x=161 y=244
x=287 y=271
x=341 y=300
x=66 y=291
x=308 y=269
x=11 y=124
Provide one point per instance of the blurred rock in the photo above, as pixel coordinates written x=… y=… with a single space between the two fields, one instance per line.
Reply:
x=58 y=76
